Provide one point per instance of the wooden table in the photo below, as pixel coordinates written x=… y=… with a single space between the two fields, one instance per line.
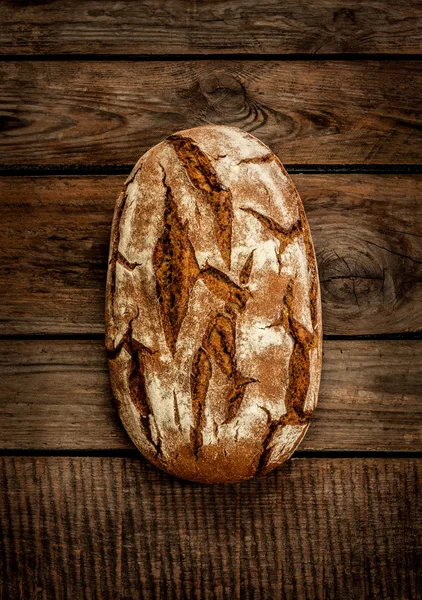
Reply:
x=335 y=90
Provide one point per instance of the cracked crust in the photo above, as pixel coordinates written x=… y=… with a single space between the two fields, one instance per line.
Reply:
x=213 y=311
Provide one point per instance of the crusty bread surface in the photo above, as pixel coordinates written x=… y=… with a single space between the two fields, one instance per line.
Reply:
x=213 y=311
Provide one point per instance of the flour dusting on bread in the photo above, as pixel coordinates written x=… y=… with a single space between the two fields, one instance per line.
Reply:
x=213 y=311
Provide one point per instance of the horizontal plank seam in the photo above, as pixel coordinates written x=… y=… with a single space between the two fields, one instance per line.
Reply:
x=301 y=454
x=406 y=336
x=218 y=56
x=307 y=169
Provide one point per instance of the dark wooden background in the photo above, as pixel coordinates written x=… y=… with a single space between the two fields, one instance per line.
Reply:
x=86 y=88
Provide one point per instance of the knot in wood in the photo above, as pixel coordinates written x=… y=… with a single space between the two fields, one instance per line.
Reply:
x=351 y=277
x=223 y=92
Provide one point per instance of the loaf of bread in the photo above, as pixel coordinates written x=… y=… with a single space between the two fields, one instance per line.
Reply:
x=213 y=312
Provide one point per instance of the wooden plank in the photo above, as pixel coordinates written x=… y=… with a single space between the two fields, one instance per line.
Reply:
x=308 y=112
x=119 y=528
x=215 y=26
x=55 y=394
x=367 y=231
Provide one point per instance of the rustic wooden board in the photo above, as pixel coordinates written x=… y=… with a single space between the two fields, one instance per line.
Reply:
x=308 y=112
x=114 y=527
x=118 y=528
x=367 y=231
x=55 y=394
x=209 y=27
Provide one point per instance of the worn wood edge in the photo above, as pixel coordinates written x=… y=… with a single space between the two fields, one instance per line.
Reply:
x=124 y=28
x=111 y=112
x=56 y=395
x=340 y=528
x=365 y=228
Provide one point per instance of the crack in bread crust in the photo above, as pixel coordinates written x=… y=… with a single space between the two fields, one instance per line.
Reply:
x=136 y=381
x=204 y=177
x=200 y=379
x=257 y=160
x=284 y=235
x=175 y=267
x=139 y=397
x=123 y=261
x=245 y=273
x=299 y=377
x=176 y=412
x=219 y=340
x=224 y=288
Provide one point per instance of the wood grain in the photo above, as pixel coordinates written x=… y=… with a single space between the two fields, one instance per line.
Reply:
x=311 y=112
x=367 y=231
x=55 y=394
x=215 y=26
x=119 y=528
x=315 y=529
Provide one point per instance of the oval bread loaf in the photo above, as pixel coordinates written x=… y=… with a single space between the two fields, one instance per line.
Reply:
x=213 y=312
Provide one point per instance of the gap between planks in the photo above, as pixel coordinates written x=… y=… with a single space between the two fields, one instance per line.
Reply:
x=252 y=56
x=135 y=454
x=98 y=170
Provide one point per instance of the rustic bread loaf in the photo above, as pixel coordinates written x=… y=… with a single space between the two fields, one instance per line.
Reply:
x=213 y=314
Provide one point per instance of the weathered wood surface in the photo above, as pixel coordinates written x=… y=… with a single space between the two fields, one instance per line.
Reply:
x=55 y=394
x=185 y=27
x=119 y=528
x=308 y=112
x=315 y=529
x=367 y=231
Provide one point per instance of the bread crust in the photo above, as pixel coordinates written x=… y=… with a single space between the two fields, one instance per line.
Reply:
x=213 y=309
